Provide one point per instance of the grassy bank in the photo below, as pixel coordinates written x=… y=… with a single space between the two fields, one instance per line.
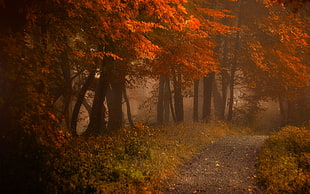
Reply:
x=131 y=161
x=284 y=161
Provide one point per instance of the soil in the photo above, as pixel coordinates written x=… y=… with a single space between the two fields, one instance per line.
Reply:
x=225 y=166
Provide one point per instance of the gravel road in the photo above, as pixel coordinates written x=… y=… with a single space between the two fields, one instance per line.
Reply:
x=226 y=166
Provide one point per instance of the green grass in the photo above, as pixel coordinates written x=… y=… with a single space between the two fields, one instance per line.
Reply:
x=131 y=161
x=284 y=161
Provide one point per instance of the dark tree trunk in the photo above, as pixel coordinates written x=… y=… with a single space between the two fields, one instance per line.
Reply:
x=114 y=102
x=129 y=116
x=160 y=101
x=178 y=98
x=97 y=117
x=166 y=104
x=233 y=67
x=225 y=84
x=231 y=93
x=207 y=96
x=220 y=98
x=79 y=102
x=195 y=105
x=67 y=90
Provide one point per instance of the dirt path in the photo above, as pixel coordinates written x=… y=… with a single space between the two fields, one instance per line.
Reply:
x=226 y=166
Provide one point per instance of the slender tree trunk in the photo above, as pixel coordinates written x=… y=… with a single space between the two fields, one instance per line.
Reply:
x=129 y=116
x=67 y=90
x=195 y=105
x=225 y=84
x=166 y=100
x=231 y=93
x=160 y=101
x=207 y=96
x=178 y=98
x=233 y=67
x=79 y=101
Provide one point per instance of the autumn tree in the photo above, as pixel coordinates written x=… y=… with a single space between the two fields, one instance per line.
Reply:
x=27 y=117
x=284 y=65
x=262 y=72
x=188 y=55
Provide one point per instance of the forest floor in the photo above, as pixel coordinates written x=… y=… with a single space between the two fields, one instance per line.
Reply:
x=225 y=166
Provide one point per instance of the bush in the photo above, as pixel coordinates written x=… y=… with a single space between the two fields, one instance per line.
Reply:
x=98 y=164
x=284 y=161
x=131 y=161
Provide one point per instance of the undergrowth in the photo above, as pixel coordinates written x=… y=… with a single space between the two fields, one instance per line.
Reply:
x=284 y=161
x=131 y=161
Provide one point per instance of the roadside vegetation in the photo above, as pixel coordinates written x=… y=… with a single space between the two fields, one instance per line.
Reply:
x=284 y=161
x=131 y=161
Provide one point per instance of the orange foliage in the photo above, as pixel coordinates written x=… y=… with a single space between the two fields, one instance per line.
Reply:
x=284 y=61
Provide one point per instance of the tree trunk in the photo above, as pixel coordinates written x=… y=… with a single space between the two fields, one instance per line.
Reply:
x=129 y=116
x=79 y=101
x=97 y=118
x=160 y=101
x=234 y=64
x=67 y=90
x=114 y=102
x=166 y=100
x=207 y=96
x=220 y=96
x=231 y=92
x=178 y=98
x=195 y=105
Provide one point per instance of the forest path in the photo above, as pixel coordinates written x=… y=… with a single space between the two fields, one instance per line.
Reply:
x=226 y=166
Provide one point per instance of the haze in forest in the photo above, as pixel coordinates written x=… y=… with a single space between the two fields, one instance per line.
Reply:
x=88 y=72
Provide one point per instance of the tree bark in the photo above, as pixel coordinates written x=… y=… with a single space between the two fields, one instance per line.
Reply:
x=231 y=92
x=166 y=104
x=114 y=102
x=67 y=90
x=178 y=98
x=195 y=105
x=97 y=118
x=160 y=100
x=207 y=97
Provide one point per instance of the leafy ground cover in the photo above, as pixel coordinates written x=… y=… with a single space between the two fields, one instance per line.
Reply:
x=131 y=161
x=284 y=161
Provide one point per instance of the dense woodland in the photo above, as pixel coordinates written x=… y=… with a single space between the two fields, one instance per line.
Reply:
x=226 y=56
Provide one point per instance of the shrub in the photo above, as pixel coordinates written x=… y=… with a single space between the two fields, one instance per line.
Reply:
x=131 y=161
x=283 y=162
